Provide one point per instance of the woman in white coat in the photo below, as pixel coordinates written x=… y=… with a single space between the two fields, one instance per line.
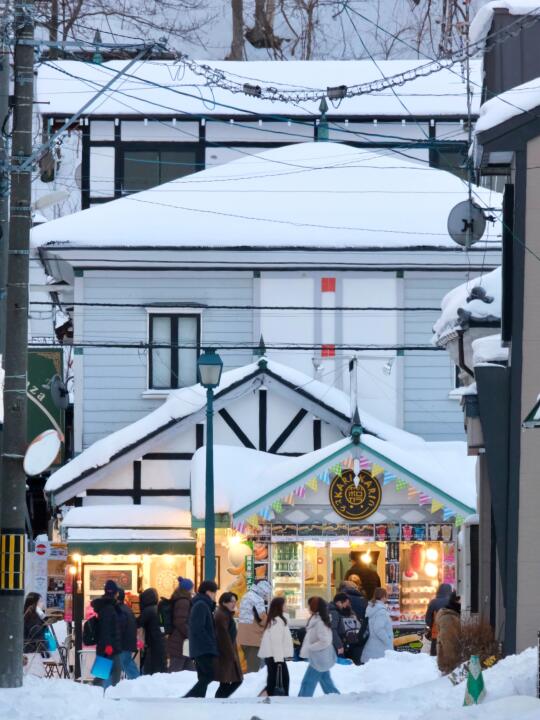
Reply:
x=318 y=649
x=276 y=647
x=381 y=635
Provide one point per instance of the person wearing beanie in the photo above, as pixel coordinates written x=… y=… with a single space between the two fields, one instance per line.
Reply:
x=180 y=610
x=128 y=634
x=202 y=637
x=108 y=633
x=154 y=657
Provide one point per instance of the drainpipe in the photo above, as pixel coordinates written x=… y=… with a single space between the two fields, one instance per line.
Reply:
x=461 y=356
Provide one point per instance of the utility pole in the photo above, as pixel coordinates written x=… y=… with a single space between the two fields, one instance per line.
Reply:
x=4 y=165
x=13 y=491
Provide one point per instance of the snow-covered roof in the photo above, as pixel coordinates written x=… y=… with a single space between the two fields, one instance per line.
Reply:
x=489 y=349
x=509 y=104
x=321 y=195
x=188 y=401
x=443 y=466
x=481 y=23
x=129 y=516
x=167 y=88
x=479 y=299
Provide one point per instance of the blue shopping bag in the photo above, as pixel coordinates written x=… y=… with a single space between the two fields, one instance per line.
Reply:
x=50 y=640
x=102 y=667
x=344 y=661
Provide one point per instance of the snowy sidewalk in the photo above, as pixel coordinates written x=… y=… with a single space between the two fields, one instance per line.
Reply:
x=399 y=687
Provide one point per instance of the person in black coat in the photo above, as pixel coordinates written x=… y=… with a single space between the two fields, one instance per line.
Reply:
x=128 y=634
x=439 y=602
x=369 y=577
x=202 y=637
x=34 y=625
x=358 y=600
x=109 y=641
x=155 y=658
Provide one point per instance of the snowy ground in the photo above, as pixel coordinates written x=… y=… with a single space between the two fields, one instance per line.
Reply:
x=400 y=687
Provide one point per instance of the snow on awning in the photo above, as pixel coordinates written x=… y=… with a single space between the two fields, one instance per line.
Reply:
x=509 y=104
x=123 y=529
x=483 y=19
x=228 y=207
x=478 y=300
x=439 y=474
x=489 y=350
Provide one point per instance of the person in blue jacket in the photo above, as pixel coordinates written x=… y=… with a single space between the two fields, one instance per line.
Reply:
x=202 y=637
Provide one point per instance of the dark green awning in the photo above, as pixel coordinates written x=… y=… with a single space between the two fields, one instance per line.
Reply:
x=132 y=547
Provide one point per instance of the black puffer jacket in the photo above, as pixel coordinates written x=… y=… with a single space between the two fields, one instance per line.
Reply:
x=108 y=628
x=128 y=628
x=202 y=631
x=154 y=658
x=359 y=602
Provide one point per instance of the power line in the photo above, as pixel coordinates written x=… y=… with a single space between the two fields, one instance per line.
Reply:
x=139 y=345
x=340 y=308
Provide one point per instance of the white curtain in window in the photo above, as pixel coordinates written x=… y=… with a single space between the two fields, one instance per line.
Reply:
x=187 y=357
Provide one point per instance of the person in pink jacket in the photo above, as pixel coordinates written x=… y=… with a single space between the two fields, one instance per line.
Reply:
x=276 y=647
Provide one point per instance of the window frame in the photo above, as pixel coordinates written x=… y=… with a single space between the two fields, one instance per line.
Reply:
x=127 y=146
x=171 y=315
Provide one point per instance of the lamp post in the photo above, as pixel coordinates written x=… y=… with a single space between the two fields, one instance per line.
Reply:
x=209 y=366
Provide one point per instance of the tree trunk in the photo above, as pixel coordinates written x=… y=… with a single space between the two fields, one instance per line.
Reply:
x=237 y=44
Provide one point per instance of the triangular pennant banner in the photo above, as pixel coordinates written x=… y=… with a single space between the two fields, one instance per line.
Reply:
x=388 y=478
x=312 y=484
x=436 y=505
x=411 y=491
x=348 y=463
x=289 y=499
x=300 y=491
x=253 y=520
x=423 y=499
x=325 y=477
x=277 y=506
x=336 y=469
x=448 y=513
x=459 y=520
x=401 y=484
x=365 y=464
x=376 y=470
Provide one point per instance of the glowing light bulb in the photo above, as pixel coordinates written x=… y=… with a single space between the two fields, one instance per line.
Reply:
x=431 y=570
x=366 y=558
x=432 y=554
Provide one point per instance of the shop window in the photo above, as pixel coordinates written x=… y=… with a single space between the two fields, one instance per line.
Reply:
x=175 y=364
x=145 y=168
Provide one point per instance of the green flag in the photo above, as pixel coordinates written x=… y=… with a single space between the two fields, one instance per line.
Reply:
x=475 y=692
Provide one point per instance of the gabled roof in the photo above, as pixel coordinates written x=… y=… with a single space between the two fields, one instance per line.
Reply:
x=185 y=407
x=308 y=195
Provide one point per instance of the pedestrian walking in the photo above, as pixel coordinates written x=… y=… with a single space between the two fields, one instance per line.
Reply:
x=448 y=625
x=318 y=649
x=381 y=634
x=108 y=634
x=202 y=637
x=128 y=637
x=276 y=647
x=154 y=659
x=180 y=610
x=228 y=670
x=251 y=622
x=346 y=628
x=439 y=602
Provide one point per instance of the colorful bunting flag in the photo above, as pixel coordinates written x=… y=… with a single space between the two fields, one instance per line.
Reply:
x=365 y=464
x=312 y=484
x=388 y=478
x=376 y=470
x=348 y=463
x=412 y=492
x=277 y=506
x=336 y=469
x=459 y=520
x=401 y=484
x=423 y=499
x=325 y=477
x=289 y=500
x=300 y=491
x=253 y=520
x=436 y=505
x=448 y=513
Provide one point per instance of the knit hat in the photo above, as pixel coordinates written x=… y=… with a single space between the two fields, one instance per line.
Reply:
x=111 y=588
x=185 y=584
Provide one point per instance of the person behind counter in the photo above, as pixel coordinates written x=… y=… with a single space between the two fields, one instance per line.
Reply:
x=202 y=637
x=276 y=647
x=128 y=634
x=251 y=622
x=381 y=634
x=318 y=649
x=367 y=573
x=439 y=602
x=180 y=610
x=108 y=631
x=228 y=669
x=154 y=658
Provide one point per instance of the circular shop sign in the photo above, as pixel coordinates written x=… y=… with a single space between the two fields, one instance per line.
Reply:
x=355 y=502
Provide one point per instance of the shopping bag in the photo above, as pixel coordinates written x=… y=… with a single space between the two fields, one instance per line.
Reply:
x=50 y=640
x=344 y=661
x=279 y=688
x=102 y=667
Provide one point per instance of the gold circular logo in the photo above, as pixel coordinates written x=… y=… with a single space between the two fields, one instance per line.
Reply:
x=355 y=502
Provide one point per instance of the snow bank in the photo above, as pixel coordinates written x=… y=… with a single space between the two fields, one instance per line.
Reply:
x=489 y=350
x=481 y=23
x=509 y=104
x=229 y=206
x=461 y=304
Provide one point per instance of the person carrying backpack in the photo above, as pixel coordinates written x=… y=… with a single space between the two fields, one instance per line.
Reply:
x=347 y=635
x=107 y=631
x=154 y=659
x=251 y=621
x=439 y=602
x=180 y=603
x=128 y=634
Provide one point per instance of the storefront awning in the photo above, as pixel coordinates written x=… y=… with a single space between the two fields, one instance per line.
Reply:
x=124 y=547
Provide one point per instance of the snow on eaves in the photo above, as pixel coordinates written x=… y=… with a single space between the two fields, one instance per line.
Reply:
x=155 y=88
x=132 y=516
x=489 y=350
x=483 y=19
x=187 y=401
x=324 y=195
x=478 y=299
x=509 y=104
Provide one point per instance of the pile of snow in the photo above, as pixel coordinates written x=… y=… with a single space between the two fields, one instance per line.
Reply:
x=182 y=403
x=400 y=686
x=489 y=350
x=461 y=305
x=509 y=104
x=481 y=23
x=229 y=206
x=175 y=87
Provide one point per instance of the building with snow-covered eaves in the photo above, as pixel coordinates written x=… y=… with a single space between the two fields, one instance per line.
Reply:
x=336 y=256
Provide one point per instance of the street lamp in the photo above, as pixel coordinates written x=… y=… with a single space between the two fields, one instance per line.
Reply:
x=209 y=366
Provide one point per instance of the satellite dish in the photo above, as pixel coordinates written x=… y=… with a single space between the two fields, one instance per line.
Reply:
x=42 y=452
x=59 y=393
x=466 y=223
